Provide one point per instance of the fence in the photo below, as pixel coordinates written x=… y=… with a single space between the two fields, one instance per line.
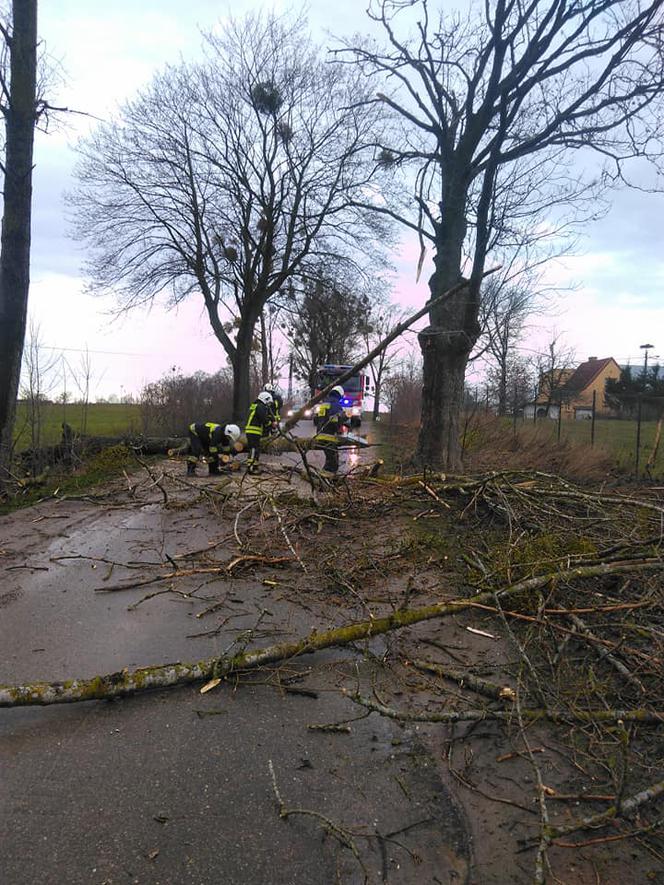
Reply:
x=634 y=440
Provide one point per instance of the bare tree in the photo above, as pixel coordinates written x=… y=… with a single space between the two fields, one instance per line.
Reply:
x=503 y=312
x=170 y=404
x=511 y=383
x=272 y=321
x=491 y=106
x=84 y=376
x=403 y=391
x=39 y=379
x=326 y=325
x=18 y=100
x=225 y=178
x=382 y=319
x=554 y=369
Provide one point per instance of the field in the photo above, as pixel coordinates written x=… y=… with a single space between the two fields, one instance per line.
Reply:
x=103 y=419
x=616 y=437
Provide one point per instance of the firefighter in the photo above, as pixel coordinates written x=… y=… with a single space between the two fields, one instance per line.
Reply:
x=209 y=440
x=278 y=402
x=260 y=423
x=329 y=420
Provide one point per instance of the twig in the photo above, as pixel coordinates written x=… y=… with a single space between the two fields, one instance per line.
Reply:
x=344 y=836
x=606 y=655
x=285 y=534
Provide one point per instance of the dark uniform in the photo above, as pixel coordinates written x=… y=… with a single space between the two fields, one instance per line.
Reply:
x=260 y=422
x=277 y=406
x=328 y=421
x=208 y=440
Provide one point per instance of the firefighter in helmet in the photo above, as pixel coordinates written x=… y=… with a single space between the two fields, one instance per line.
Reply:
x=210 y=440
x=329 y=420
x=260 y=423
x=277 y=402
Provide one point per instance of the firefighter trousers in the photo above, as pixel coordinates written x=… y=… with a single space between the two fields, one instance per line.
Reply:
x=254 y=450
x=331 y=451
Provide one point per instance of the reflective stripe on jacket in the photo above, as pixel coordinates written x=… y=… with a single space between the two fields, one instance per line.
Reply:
x=259 y=419
x=212 y=437
x=329 y=419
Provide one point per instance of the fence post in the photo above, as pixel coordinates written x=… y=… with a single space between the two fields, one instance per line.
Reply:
x=592 y=420
x=514 y=410
x=638 y=433
x=560 y=418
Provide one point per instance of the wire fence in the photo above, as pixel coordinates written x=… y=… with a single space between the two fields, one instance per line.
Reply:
x=634 y=438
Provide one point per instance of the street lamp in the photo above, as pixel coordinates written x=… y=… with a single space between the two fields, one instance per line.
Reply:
x=646 y=347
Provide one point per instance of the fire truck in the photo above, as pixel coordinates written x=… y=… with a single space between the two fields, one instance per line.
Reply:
x=356 y=388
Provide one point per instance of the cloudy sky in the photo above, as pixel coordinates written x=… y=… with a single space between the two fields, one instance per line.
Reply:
x=108 y=50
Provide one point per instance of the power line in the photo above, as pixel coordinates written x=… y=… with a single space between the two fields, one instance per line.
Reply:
x=87 y=350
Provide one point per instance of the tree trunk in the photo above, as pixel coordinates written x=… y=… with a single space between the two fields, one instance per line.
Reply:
x=241 y=382
x=444 y=372
x=376 y=407
x=242 y=365
x=502 y=389
x=446 y=343
x=265 y=363
x=15 y=238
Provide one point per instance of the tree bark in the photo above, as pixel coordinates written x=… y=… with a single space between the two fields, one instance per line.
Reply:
x=15 y=238
x=265 y=362
x=446 y=343
x=242 y=357
x=444 y=372
x=377 y=392
x=127 y=682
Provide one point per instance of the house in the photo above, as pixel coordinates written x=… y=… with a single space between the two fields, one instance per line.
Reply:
x=574 y=390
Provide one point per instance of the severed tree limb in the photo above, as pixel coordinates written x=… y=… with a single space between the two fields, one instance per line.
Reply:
x=465 y=680
x=126 y=682
x=451 y=716
x=226 y=569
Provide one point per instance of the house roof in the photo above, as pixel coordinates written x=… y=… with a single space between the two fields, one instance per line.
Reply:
x=586 y=373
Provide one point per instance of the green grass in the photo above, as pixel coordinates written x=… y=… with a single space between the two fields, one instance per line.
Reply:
x=100 y=468
x=103 y=419
x=616 y=437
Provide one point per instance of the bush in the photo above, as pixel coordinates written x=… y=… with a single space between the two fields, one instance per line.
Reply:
x=169 y=405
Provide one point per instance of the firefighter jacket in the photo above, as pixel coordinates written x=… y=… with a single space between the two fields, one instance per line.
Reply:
x=329 y=419
x=212 y=437
x=277 y=406
x=259 y=420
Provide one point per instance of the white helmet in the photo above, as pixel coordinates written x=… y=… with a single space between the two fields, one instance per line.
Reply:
x=269 y=387
x=338 y=390
x=233 y=432
x=265 y=397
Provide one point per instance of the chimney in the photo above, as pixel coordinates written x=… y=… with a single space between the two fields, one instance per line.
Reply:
x=592 y=359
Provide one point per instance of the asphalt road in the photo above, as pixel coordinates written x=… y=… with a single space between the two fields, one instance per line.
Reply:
x=174 y=787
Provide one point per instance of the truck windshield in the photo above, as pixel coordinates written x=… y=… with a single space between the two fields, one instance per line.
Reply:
x=352 y=385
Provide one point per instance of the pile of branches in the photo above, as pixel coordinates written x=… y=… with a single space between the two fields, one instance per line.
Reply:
x=569 y=580
x=573 y=580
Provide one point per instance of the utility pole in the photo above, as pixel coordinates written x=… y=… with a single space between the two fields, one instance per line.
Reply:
x=290 y=379
x=646 y=348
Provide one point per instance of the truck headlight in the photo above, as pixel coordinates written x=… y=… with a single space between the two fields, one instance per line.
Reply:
x=356 y=410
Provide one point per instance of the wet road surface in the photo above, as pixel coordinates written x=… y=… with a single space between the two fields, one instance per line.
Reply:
x=174 y=786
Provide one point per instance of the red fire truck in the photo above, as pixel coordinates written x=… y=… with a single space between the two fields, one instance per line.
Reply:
x=355 y=388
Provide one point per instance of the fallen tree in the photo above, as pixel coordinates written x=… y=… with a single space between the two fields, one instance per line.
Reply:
x=126 y=682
